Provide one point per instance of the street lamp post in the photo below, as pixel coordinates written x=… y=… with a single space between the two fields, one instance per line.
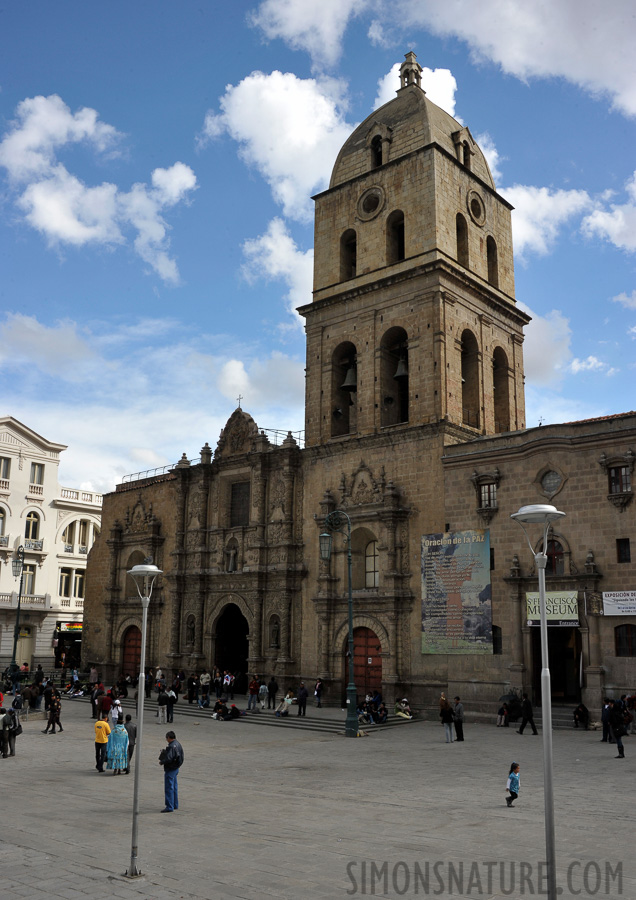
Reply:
x=544 y=514
x=17 y=566
x=144 y=577
x=336 y=521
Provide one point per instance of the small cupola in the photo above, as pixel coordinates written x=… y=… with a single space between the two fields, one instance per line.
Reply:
x=410 y=71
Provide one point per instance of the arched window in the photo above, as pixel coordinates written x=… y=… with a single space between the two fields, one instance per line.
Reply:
x=3 y=521
x=364 y=559
x=470 y=380
x=500 y=384
x=376 y=152
x=348 y=255
x=461 y=232
x=394 y=377
x=554 y=552
x=395 y=237
x=491 y=254
x=466 y=154
x=135 y=559
x=32 y=528
x=371 y=570
x=625 y=638
x=344 y=387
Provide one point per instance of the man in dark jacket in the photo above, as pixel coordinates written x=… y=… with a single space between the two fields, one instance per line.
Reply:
x=272 y=690
x=526 y=715
x=301 y=698
x=171 y=758
x=617 y=726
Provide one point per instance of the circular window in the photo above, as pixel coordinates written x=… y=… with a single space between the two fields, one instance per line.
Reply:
x=370 y=203
x=551 y=482
x=476 y=208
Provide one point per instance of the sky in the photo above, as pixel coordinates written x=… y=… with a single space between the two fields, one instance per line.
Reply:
x=157 y=162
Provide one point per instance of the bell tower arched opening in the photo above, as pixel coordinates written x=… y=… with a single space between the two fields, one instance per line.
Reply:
x=394 y=377
x=344 y=388
x=501 y=390
x=470 y=379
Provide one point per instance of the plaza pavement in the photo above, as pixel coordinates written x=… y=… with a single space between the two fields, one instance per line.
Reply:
x=282 y=812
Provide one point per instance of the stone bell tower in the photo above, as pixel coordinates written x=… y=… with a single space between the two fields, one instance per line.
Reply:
x=414 y=320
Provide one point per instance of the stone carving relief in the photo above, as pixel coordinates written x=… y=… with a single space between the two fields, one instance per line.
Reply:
x=362 y=487
x=139 y=518
x=277 y=503
x=238 y=435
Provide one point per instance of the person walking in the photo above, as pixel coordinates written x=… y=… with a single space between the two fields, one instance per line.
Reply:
x=526 y=715
x=446 y=715
x=132 y=739
x=272 y=690
x=301 y=699
x=262 y=694
x=102 y=730
x=512 y=785
x=117 y=749
x=15 y=729
x=204 y=680
x=172 y=699
x=55 y=708
x=605 y=714
x=5 y=724
x=318 y=692
x=617 y=726
x=171 y=758
x=458 y=712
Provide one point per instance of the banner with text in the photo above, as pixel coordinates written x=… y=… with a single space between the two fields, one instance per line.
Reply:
x=456 y=593
x=561 y=608
x=619 y=603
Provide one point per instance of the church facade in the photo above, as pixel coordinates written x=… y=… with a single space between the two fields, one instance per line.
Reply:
x=415 y=429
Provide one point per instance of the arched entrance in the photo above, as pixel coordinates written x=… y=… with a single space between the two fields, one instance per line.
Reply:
x=131 y=651
x=367 y=661
x=231 y=646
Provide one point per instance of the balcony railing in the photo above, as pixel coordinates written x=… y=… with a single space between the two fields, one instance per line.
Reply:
x=65 y=601
x=4 y=484
x=81 y=496
x=30 y=544
x=28 y=601
x=83 y=549
x=68 y=548
x=36 y=489
x=4 y=540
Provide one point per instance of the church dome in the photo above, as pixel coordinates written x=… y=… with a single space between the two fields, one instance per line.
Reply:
x=408 y=123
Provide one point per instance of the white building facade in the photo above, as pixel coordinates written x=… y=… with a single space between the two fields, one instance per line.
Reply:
x=56 y=526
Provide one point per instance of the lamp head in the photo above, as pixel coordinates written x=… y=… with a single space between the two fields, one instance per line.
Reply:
x=537 y=514
x=17 y=562
x=144 y=576
x=325 y=545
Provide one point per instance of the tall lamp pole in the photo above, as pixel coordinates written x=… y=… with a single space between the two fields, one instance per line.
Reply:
x=17 y=566
x=144 y=577
x=544 y=514
x=340 y=523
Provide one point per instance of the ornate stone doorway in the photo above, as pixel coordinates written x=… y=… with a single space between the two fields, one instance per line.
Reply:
x=367 y=661
x=131 y=651
x=231 y=645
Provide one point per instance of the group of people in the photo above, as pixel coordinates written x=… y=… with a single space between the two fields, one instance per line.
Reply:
x=452 y=717
x=114 y=746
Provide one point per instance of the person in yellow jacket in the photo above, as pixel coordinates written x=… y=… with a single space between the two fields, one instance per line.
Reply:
x=102 y=730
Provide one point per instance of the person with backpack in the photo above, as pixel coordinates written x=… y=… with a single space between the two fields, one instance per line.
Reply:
x=10 y=728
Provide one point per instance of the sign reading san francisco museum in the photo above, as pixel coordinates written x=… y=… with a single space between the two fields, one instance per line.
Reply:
x=619 y=603
x=456 y=593
x=561 y=608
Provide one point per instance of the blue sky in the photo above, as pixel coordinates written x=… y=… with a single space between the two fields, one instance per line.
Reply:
x=156 y=166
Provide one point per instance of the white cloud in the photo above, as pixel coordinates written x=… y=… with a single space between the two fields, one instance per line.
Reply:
x=539 y=214
x=590 y=364
x=626 y=300
x=317 y=28
x=570 y=39
x=66 y=210
x=618 y=224
x=546 y=349
x=440 y=86
x=112 y=426
x=274 y=255
x=290 y=129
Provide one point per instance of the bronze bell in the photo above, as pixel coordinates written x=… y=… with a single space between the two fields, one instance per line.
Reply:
x=351 y=380
x=402 y=369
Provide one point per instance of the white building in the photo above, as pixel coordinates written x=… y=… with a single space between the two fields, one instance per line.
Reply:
x=57 y=527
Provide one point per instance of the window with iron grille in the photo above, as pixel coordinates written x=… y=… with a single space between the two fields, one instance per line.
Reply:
x=371 y=570
x=623 y=550
x=240 y=504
